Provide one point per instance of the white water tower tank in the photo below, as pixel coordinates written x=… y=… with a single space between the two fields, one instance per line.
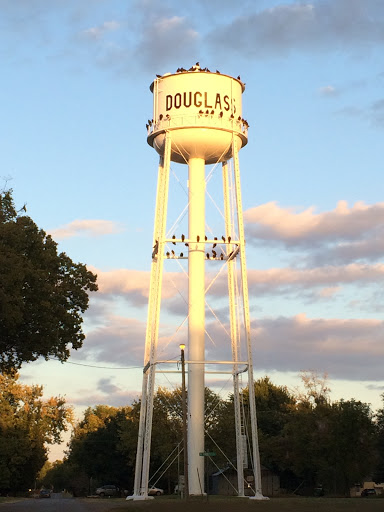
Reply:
x=202 y=111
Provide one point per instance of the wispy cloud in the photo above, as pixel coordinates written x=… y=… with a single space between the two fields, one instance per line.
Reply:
x=272 y=222
x=345 y=348
x=96 y=33
x=328 y=25
x=86 y=228
x=316 y=283
x=328 y=91
x=328 y=279
x=168 y=34
x=106 y=392
x=158 y=46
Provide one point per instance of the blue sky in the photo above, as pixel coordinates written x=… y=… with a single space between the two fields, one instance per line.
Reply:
x=74 y=102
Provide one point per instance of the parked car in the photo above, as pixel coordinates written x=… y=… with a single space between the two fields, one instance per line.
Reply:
x=155 y=491
x=45 y=493
x=368 y=492
x=107 y=490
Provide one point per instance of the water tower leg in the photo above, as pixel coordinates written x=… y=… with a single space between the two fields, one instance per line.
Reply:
x=255 y=442
x=150 y=353
x=233 y=315
x=196 y=324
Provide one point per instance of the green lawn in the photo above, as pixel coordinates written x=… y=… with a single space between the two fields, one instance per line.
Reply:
x=221 y=504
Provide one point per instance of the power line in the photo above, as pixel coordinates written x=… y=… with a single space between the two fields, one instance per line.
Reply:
x=96 y=366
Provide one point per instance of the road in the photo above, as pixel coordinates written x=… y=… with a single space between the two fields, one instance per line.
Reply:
x=58 y=504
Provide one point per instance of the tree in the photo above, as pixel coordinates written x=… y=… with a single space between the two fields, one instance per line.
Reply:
x=328 y=443
x=97 y=451
x=42 y=292
x=27 y=425
x=350 y=451
x=103 y=445
x=379 y=469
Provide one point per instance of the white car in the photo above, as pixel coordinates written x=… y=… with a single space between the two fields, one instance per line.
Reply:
x=155 y=491
x=107 y=490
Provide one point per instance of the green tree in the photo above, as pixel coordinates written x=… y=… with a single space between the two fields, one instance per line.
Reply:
x=42 y=292
x=27 y=424
x=96 y=448
x=328 y=443
x=378 y=475
x=350 y=451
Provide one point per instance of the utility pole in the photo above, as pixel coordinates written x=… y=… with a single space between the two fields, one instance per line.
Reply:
x=185 y=428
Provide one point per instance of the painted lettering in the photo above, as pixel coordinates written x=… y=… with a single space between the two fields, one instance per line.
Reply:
x=206 y=101
x=177 y=100
x=189 y=102
x=218 y=101
x=189 y=99
x=197 y=103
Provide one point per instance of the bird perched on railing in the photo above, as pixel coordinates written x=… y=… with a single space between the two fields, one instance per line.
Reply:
x=155 y=249
x=196 y=67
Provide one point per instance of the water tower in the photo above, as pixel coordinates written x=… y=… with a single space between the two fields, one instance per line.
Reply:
x=197 y=121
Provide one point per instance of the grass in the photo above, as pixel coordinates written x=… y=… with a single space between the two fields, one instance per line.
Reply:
x=228 y=504
x=6 y=499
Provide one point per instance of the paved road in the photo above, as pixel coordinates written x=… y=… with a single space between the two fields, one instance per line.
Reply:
x=58 y=504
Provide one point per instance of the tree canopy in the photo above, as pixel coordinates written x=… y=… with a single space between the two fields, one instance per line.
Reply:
x=27 y=424
x=43 y=293
x=304 y=437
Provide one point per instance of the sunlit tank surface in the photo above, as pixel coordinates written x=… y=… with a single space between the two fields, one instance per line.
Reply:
x=201 y=110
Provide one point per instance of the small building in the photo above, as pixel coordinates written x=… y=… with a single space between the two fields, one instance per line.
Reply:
x=224 y=482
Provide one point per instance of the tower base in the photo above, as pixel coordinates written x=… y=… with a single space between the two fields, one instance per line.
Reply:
x=258 y=496
x=138 y=497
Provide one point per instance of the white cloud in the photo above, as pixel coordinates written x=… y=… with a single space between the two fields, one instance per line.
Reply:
x=328 y=25
x=328 y=279
x=322 y=282
x=328 y=91
x=87 y=228
x=118 y=340
x=344 y=348
x=338 y=236
x=166 y=39
x=96 y=33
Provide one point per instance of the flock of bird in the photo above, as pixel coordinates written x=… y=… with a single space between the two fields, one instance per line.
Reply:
x=195 y=68
x=167 y=117
x=212 y=255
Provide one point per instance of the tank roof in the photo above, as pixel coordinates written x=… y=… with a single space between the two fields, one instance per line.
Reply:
x=196 y=69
